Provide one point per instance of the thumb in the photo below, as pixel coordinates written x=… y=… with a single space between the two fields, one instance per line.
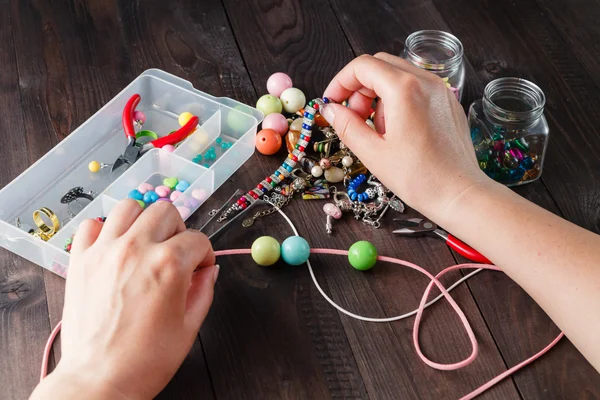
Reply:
x=200 y=296
x=351 y=128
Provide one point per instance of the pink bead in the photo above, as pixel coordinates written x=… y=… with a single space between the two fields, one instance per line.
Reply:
x=169 y=147
x=144 y=187
x=163 y=199
x=139 y=116
x=277 y=122
x=332 y=210
x=184 y=212
x=277 y=83
x=199 y=194
x=175 y=195
x=162 y=191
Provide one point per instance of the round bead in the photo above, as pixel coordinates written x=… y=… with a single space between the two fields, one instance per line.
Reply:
x=269 y=104
x=162 y=191
x=182 y=186
x=362 y=255
x=268 y=142
x=332 y=210
x=141 y=203
x=527 y=163
x=169 y=147
x=175 y=195
x=170 y=182
x=150 y=196
x=277 y=122
x=94 y=166
x=347 y=161
x=144 y=187
x=316 y=171
x=139 y=116
x=135 y=194
x=334 y=175
x=184 y=212
x=295 y=250
x=292 y=100
x=277 y=83
x=184 y=118
x=325 y=163
x=265 y=251
x=238 y=120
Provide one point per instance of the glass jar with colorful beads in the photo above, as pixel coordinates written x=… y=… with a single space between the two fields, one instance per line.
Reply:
x=439 y=53
x=509 y=131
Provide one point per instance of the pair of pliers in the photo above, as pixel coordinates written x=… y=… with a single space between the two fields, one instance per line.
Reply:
x=419 y=227
x=132 y=151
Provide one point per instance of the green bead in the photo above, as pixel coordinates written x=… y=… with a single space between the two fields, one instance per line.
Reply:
x=362 y=255
x=170 y=182
x=265 y=251
x=69 y=241
x=269 y=104
x=141 y=203
x=497 y=136
x=521 y=144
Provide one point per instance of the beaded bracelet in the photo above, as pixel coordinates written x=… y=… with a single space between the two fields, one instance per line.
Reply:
x=286 y=168
x=354 y=195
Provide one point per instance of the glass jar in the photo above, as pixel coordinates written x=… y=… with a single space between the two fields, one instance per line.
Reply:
x=440 y=53
x=509 y=131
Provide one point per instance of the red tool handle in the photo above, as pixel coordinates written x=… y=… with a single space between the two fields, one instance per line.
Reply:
x=177 y=136
x=127 y=119
x=466 y=251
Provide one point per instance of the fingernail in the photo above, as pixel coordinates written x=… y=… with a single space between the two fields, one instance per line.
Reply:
x=328 y=113
x=217 y=269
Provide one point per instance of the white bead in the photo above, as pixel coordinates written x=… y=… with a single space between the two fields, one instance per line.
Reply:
x=292 y=100
x=334 y=175
x=371 y=124
x=347 y=161
x=316 y=171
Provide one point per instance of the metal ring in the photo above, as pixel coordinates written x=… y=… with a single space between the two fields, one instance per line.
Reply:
x=45 y=232
x=76 y=193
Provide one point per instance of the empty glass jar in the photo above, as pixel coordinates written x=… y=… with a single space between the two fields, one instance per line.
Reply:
x=440 y=53
x=509 y=131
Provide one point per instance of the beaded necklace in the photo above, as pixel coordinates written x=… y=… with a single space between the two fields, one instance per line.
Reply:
x=284 y=171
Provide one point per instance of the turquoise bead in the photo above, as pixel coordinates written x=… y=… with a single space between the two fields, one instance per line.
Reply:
x=182 y=186
x=219 y=140
x=295 y=250
x=362 y=255
x=135 y=194
x=265 y=251
x=150 y=196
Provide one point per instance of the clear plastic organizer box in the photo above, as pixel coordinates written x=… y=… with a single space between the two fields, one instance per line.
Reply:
x=101 y=138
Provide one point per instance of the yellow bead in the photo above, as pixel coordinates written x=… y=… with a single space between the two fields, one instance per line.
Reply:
x=184 y=117
x=94 y=166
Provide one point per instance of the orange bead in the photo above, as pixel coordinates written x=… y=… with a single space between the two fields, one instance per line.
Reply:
x=321 y=121
x=268 y=142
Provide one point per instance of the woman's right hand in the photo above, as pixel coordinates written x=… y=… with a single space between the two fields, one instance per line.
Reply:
x=422 y=149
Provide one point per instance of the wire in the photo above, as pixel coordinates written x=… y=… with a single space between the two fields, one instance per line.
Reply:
x=434 y=280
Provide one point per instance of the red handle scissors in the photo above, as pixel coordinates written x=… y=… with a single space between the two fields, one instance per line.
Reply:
x=133 y=151
x=419 y=226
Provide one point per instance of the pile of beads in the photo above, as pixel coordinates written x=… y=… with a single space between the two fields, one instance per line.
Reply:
x=69 y=240
x=295 y=250
x=209 y=157
x=506 y=161
x=224 y=145
x=170 y=190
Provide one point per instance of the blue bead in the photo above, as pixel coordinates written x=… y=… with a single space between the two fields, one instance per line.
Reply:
x=350 y=191
x=326 y=100
x=295 y=250
x=306 y=126
x=527 y=163
x=150 y=197
x=361 y=197
x=135 y=194
x=353 y=196
x=288 y=167
x=264 y=189
x=219 y=140
x=306 y=114
x=516 y=174
x=182 y=186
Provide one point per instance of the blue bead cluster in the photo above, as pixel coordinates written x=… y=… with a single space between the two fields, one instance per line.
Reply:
x=353 y=186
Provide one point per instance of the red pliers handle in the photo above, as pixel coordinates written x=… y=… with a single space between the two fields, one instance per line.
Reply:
x=465 y=250
x=172 y=139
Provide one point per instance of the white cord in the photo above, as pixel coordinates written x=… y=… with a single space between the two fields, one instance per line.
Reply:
x=360 y=317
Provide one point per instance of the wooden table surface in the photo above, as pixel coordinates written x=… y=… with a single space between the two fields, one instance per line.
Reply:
x=270 y=334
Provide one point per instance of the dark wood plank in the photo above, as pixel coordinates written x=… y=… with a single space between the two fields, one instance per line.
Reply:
x=284 y=37
x=23 y=310
x=394 y=24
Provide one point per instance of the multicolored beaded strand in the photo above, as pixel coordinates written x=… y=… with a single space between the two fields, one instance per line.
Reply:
x=288 y=165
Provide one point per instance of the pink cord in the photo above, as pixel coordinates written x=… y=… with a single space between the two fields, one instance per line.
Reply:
x=434 y=281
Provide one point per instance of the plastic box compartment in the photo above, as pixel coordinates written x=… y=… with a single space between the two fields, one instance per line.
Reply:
x=101 y=138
